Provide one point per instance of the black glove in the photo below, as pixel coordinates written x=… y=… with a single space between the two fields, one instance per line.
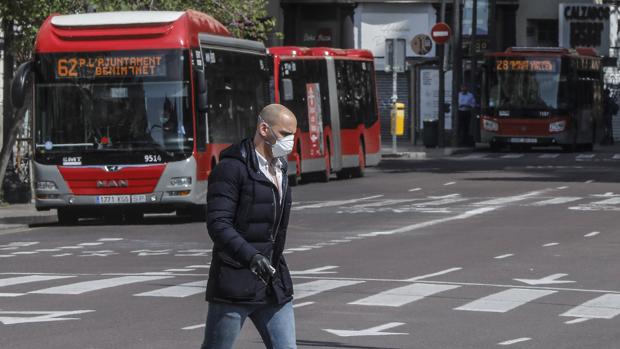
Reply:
x=260 y=266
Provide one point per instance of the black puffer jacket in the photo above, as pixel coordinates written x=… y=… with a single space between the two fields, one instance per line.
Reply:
x=245 y=217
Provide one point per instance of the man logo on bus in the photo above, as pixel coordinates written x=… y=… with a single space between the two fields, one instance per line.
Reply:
x=121 y=183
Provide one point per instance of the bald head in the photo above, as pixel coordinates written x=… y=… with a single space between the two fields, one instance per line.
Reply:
x=273 y=113
x=275 y=122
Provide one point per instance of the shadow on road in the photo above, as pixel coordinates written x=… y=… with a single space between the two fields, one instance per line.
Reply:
x=321 y=344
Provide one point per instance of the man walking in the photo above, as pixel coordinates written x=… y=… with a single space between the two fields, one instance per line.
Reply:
x=467 y=103
x=248 y=206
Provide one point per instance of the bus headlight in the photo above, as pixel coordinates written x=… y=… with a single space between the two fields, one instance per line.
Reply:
x=181 y=181
x=490 y=125
x=557 y=126
x=46 y=185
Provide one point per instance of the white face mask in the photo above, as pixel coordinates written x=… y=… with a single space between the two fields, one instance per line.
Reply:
x=282 y=147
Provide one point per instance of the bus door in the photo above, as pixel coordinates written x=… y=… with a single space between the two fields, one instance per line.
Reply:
x=334 y=115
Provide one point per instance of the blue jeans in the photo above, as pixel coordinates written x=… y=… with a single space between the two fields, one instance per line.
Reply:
x=275 y=324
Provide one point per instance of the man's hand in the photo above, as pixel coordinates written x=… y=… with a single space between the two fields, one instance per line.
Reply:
x=260 y=266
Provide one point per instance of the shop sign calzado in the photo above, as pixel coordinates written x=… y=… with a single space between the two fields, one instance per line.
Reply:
x=585 y=25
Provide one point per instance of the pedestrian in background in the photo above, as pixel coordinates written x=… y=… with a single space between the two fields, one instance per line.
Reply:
x=248 y=206
x=610 y=108
x=467 y=102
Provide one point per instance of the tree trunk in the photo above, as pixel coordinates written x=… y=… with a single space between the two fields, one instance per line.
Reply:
x=9 y=141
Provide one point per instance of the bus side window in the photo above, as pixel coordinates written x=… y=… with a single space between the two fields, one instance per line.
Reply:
x=287 y=89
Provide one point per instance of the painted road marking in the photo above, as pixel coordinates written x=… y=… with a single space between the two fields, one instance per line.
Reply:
x=40 y=316
x=88 y=286
x=178 y=291
x=589 y=181
x=110 y=239
x=548 y=156
x=299 y=305
x=373 y=331
x=194 y=327
x=577 y=320
x=594 y=233
x=585 y=156
x=11 y=294
x=312 y=288
x=335 y=203
x=504 y=301
x=415 y=189
x=412 y=227
x=611 y=201
x=403 y=295
x=551 y=244
x=30 y=278
x=556 y=201
x=606 y=306
x=514 y=341
x=384 y=203
x=450 y=183
x=315 y=271
x=510 y=199
x=504 y=256
x=443 y=272
x=91 y=244
x=439 y=202
x=547 y=280
x=512 y=156
x=473 y=157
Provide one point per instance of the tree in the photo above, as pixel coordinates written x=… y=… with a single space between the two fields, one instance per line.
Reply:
x=21 y=20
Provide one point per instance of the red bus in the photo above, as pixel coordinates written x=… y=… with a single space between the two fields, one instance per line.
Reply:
x=542 y=96
x=332 y=92
x=131 y=109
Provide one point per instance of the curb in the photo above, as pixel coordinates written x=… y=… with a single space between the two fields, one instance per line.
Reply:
x=429 y=153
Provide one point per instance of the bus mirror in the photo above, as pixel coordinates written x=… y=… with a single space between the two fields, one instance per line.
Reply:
x=200 y=81
x=201 y=90
x=20 y=83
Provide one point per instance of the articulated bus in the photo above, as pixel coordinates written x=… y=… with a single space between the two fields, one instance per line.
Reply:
x=542 y=96
x=332 y=92
x=131 y=109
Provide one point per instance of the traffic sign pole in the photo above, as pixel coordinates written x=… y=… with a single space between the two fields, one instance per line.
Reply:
x=440 y=33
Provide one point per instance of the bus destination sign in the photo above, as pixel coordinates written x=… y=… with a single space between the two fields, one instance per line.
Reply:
x=110 y=67
x=525 y=65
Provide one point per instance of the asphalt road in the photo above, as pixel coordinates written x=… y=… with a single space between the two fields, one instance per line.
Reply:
x=482 y=250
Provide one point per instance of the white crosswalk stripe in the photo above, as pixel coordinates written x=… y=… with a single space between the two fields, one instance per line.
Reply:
x=606 y=306
x=30 y=278
x=178 y=291
x=504 y=301
x=611 y=201
x=312 y=288
x=95 y=285
x=403 y=295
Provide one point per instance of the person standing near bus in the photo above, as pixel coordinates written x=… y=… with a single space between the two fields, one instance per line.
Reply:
x=467 y=103
x=248 y=206
x=610 y=108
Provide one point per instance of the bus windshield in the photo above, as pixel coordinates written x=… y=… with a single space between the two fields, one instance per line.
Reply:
x=104 y=105
x=517 y=85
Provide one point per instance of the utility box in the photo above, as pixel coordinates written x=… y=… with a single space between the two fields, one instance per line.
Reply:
x=398 y=119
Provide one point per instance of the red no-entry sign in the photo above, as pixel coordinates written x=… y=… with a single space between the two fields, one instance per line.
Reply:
x=440 y=33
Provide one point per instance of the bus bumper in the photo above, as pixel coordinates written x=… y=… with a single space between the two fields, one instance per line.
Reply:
x=52 y=191
x=533 y=140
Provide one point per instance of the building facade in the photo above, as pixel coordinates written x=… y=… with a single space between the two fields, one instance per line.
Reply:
x=367 y=24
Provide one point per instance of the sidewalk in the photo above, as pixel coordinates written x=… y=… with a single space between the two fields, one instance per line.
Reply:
x=20 y=215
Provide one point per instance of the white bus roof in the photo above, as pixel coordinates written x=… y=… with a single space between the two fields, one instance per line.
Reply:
x=122 y=18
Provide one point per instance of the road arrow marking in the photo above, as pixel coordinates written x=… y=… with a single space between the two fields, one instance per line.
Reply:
x=547 y=280
x=41 y=316
x=321 y=270
x=373 y=331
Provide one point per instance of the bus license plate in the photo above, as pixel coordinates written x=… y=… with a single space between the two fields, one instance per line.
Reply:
x=138 y=198
x=113 y=199
x=523 y=140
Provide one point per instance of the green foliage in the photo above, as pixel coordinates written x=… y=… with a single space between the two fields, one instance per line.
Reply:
x=244 y=18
